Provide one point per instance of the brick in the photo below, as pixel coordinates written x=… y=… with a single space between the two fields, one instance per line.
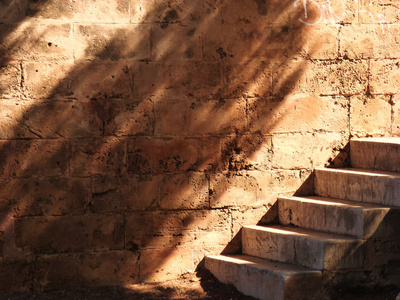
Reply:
x=293 y=151
x=88 y=10
x=109 y=268
x=184 y=191
x=112 y=41
x=385 y=76
x=369 y=41
x=165 y=264
x=69 y=234
x=248 y=79
x=38 y=157
x=246 y=152
x=174 y=117
x=196 y=228
x=300 y=112
x=175 y=43
x=47 y=79
x=370 y=115
x=67 y=119
x=129 y=117
x=337 y=77
x=118 y=194
x=172 y=155
x=103 y=156
x=35 y=41
x=45 y=196
x=101 y=80
x=10 y=81
x=55 y=272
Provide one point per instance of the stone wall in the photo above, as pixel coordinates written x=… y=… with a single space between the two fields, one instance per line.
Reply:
x=137 y=136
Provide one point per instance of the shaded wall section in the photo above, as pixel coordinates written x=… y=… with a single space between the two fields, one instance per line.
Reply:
x=138 y=136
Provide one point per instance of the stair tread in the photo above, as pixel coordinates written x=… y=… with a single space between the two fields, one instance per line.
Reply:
x=358 y=171
x=388 y=140
x=301 y=232
x=335 y=202
x=263 y=263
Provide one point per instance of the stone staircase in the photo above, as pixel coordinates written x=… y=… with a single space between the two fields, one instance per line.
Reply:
x=346 y=235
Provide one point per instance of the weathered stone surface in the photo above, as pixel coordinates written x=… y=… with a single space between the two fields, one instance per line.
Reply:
x=119 y=194
x=184 y=191
x=172 y=155
x=265 y=279
x=109 y=268
x=12 y=11
x=112 y=41
x=301 y=112
x=16 y=276
x=385 y=76
x=359 y=185
x=376 y=153
x=102 y=156
x=45 y=196
x=36 y=41
x=10 y=80
x=370 y=115
x=396 y=115
x=69 y=234
x=174 y=117
x=301 y=247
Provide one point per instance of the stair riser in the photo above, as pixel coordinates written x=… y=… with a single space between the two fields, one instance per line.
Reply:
x=338 y=219
x=374 y=155
x=265 y=284
x=358 y=187
x=303 y=251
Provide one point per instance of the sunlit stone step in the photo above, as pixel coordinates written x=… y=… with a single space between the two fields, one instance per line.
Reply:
x=379 y=187
x=265 y=279
x=302 y=247
x=376 y=153
x=332 y=215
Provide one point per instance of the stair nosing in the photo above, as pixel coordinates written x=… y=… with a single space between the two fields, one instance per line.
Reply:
x=361 y=171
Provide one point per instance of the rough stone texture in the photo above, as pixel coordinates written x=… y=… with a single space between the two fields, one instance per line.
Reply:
x=160 y=127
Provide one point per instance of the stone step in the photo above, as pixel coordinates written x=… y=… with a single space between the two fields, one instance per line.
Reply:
x=265 y=279
x=376 y=153
x=311 y=249
x=379 y=187
x=332 y=215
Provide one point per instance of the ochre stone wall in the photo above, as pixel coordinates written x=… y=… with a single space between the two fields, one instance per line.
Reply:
x=138 y=136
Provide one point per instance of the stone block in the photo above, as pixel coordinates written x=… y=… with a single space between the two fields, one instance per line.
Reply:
x=248 y=79
x=112 y=42
x=385 y=76
x=12 y=114
x=247 y=152
x=184 y=191
x=165 y=264
x=119 y=194
x=45 y=196
x=174 y=117
x=12 y=11
x=396 y=115
x=38 y=158
x=198 y=228
x=129 y=117
x=66 y=119
x=16 y=276
x=103 y=156
x=48 y=79
x=88 y=10
x=36 y=41
x=370 y=115
x=109 y=268
x=299 y=150
x=10 y=81
x=70 y=234
x=379 y=13
x=101 y=80
x=247 y=216
x=172 y=155
x=175 y=42
x=370 y=41
x=55 y=272
x=299 y=112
